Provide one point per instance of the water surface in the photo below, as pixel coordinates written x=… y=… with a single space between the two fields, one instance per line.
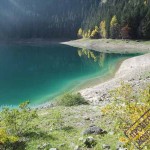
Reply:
x=41 y=72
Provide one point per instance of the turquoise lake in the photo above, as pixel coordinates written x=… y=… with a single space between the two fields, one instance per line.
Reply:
x=41 y=72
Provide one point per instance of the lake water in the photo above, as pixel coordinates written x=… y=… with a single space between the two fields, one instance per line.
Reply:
x=41 y=72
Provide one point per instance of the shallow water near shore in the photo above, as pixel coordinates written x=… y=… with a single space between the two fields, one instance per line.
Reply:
x=39 y=73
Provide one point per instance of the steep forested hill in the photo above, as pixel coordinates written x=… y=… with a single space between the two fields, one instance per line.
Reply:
x=43 y=18
x=121 y=19
x=63 y=18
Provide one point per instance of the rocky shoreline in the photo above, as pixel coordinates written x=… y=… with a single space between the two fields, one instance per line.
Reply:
x=135 y=71
x=85 y=126
x=112 y=46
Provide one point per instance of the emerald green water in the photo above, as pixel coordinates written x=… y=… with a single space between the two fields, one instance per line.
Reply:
x=40 y=72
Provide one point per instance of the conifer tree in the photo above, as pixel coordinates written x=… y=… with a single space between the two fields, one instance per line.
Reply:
x=95 y=33
x=80 y=33
x=103 y=29
x=114 y=28
x=89 y=33
x=144 y=28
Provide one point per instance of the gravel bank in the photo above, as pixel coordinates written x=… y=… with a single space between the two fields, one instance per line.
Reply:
x=135 y=71
x=112 y=46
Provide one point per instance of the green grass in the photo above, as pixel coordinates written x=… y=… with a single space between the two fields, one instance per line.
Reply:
x=66 y=132
x=62 y=127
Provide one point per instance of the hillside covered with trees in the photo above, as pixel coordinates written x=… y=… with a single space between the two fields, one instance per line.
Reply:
x=63 y=19
x=43 y=19
x=127 y=19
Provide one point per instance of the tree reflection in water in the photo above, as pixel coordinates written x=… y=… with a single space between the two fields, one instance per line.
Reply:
x=97 y=57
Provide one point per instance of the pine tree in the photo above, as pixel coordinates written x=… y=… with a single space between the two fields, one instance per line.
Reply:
x=103 y=32
x=80 y=33
x=89 y=33
x=86 y=35
x=114 y=21
x=95 y=33
x=114 y=28
x=144 y=28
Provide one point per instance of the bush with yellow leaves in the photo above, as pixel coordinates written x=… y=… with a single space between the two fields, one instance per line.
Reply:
x=6 y=139
x=126 y=108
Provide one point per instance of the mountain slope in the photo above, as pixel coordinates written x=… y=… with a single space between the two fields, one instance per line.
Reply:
x=132 y=17
x=42 y=19
x=63 y=18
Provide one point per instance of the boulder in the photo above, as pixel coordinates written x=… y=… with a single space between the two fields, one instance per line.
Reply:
x=44 y=146
x=121 y=148
x=106 y=147
x=94 y=130
x=87 y=118
x=90 y=142
x=77 y=148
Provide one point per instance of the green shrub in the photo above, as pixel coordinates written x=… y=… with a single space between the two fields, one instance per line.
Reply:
x=14 y=124
x=70 y=99
x=18 y=120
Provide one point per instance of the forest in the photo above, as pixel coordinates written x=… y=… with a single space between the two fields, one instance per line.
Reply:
x=128 y=19
x=118 y=19
x=42 y=19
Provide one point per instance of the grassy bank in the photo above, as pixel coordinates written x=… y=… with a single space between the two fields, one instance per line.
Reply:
x=63 y=127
